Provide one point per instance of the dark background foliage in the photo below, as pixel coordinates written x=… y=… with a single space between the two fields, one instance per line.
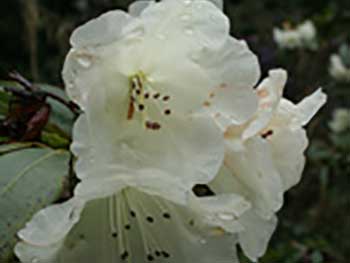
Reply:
x=315 y=221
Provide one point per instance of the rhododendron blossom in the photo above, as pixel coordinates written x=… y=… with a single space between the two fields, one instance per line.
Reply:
x=303 y=36
x=169 y=108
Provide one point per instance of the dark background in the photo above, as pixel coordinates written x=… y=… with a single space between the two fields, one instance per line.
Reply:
x=315 y=221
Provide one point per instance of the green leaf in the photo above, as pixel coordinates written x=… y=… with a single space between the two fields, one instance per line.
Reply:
x=30 y=179
x=11 y=147
x=54 y=140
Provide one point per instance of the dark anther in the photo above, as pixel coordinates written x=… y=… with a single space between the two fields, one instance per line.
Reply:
x=166 y=98
x=132 y=213
x=167 y=112
x=150 y=219
x=202 y=190
x=158 y=254
x=165 y=254
x=125 y=255
x=267 y=134
x=191 y=223
x=146 y=95
x=138 y=92
x=150 y=258
x=114 y=234
x=127 y=227
x=141 y=107
x=156 y=96
x=166 y=215
x=152 y=125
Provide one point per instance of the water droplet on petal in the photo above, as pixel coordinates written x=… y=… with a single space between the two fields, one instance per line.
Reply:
x=84 y=61
x=226 y=217
x=189 y=31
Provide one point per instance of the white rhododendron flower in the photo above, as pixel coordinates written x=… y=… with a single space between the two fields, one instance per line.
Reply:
x=264 y=158
x=338 y=70
x=340 y=121
x=304 y=35
x=180 y=158
x=144 y=80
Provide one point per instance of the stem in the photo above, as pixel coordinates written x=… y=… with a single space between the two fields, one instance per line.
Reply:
x=70 y=105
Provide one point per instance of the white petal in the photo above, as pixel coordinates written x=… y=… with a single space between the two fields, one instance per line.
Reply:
x=288 y=148
x=231 y=105
x=29 y=253
x=92 y=240
x=234 y=64
x=221 y=210
x=82 y=147
x=137 y=7
x=149 y=181
x=258 y=231
x=190 y=22
x=309 y=106
x=255 y=170
x=269 y=92
x=102 y=30
x=185 y=152
x=50 y=225
x=218 y=3
x=90 y=75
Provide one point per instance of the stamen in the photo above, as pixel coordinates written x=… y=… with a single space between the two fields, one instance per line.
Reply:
x=121 y=244
x=167 y=112
x=141 y=107
x=125 y=255
x=156 y=96
x=111 y=212
x=165 y=254
x=132 y=213
x=141 y=228
x=166 y=215
x=166 y=98
x=267 y=134
x=124 y=208
x=150 y=219
x=150 y=258
x=152 y=125
x=146 y=233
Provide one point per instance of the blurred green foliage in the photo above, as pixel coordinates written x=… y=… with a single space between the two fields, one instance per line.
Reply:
x=315 y=221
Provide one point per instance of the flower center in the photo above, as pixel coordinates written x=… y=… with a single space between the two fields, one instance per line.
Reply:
x=147 y=102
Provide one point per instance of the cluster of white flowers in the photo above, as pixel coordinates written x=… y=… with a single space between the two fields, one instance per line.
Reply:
x=171 y=109
x=340 y=121
x=303 y=36
x=338 y=69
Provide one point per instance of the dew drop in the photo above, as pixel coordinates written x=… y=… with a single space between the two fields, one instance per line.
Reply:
x=84 y=61
x=189 y=31
x=226 y=217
